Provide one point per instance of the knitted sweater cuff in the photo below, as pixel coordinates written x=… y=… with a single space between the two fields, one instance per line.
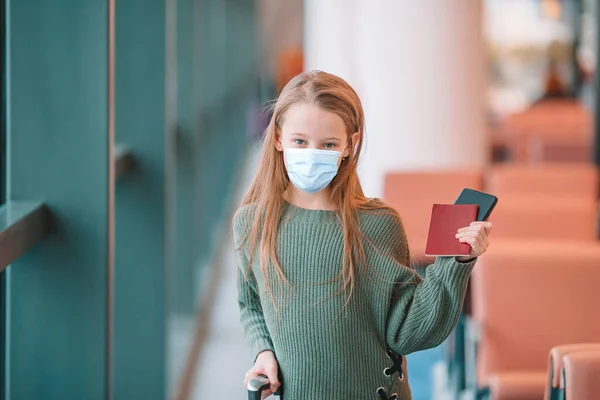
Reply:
x=447 y=269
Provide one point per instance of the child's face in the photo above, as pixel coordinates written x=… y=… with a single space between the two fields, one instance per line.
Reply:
x=306 y=126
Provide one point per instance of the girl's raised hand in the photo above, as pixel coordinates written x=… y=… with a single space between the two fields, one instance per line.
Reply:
x=476 y=235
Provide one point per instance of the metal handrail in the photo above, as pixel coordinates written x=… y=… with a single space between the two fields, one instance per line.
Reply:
x=22 y=225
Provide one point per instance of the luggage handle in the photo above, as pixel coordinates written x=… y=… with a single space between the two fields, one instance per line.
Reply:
x=257 y=385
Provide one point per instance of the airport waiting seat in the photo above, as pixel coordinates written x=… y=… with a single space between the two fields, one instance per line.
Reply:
x=558 y=150
x=581 y=375
x=555 y=366
x=534 y=145
x=528 y=297
x=551 y=179
x=544 y=201
x=544 y=121
x=533 y=217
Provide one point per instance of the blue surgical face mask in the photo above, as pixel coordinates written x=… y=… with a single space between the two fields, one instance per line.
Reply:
x=311 y=170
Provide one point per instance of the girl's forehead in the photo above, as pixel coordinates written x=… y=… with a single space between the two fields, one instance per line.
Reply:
x=311 y=120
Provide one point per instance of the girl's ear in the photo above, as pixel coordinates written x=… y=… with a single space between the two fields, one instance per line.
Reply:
x=278 y=144
x=354 y=140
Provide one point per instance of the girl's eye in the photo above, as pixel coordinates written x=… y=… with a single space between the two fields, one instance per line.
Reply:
x=329 y=145
x=299 y=141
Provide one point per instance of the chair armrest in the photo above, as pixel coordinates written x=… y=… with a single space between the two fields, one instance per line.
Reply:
x=582 y=374
x=555 y=363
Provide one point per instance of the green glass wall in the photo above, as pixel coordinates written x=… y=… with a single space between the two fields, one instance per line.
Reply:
x=140 y=201
x=185 y=75
x=58 y=145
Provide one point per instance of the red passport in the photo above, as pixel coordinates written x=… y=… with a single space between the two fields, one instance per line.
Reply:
x=446 y=219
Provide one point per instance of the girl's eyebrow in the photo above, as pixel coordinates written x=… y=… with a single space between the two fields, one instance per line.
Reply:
x=302 y=135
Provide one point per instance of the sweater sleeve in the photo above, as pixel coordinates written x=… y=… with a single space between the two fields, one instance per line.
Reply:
x=252 y=318
x=422 y=315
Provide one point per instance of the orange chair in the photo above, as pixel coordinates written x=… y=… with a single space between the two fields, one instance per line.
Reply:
x=579 y=180
x=550 y=118
x=545 y=217
x=553 y=146
x=544 y=201
x=412 y=194
x=556 y=364
x=582 y=375
x=558 y=149
x=527 y=297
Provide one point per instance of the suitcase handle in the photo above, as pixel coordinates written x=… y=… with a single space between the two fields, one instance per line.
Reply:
x=257 y=385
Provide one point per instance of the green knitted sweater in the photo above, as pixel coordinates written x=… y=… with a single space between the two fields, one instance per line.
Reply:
x=326 y=351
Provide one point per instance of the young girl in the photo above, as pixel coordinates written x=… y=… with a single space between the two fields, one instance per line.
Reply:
x=327 y=296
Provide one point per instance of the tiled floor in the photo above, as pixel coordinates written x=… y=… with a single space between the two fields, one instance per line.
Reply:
x=226 y=358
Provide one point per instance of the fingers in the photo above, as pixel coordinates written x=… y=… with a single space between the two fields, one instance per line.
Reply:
x=479 y=236
x=251 y=374
x=476 y=249
x=476 y=236
x=247 y=378
x=485 y=225
x=271 y=373
x=483 y=228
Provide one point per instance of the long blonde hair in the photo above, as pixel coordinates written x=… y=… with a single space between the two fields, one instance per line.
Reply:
x=265 y=195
